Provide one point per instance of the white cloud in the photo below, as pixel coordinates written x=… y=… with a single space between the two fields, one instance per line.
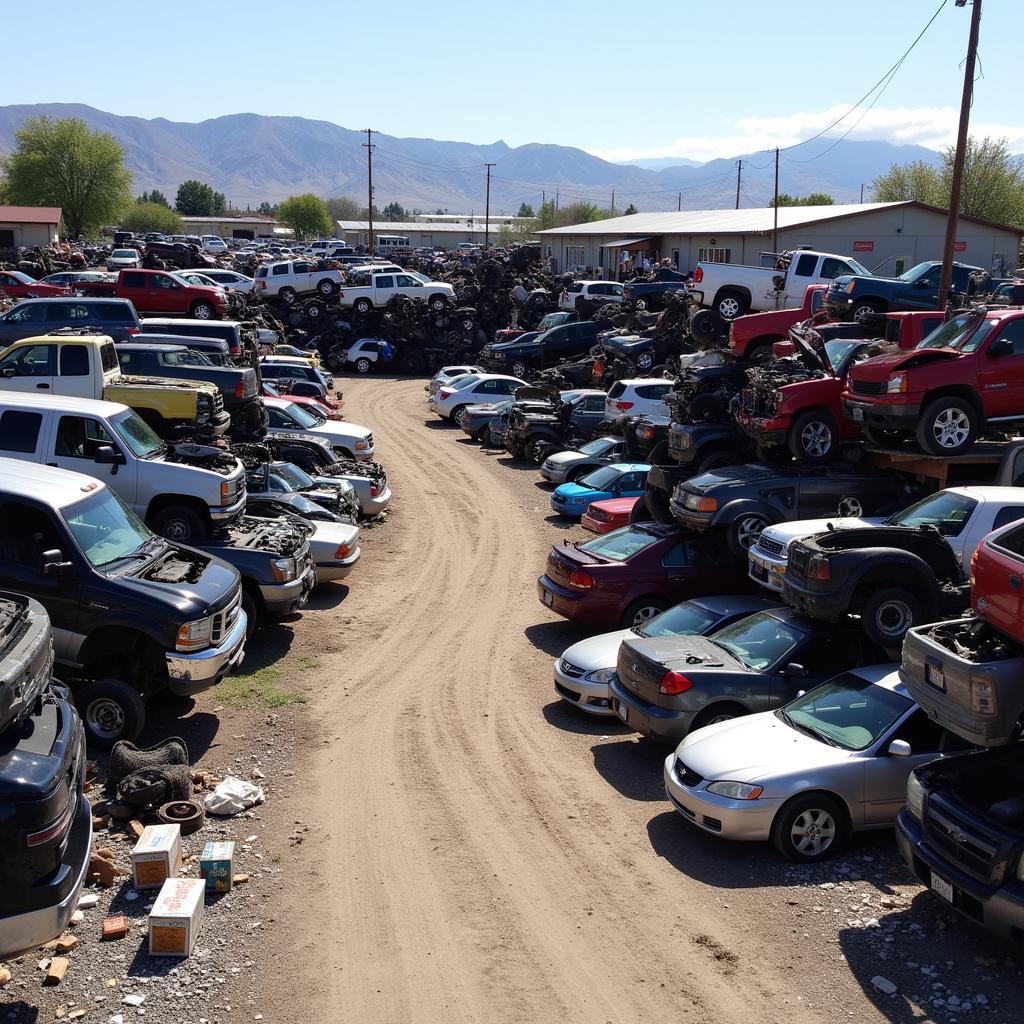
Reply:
x=934 y=127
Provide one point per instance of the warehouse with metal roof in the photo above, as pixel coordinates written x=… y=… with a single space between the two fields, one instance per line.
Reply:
x=884 y=237
x=445 y=235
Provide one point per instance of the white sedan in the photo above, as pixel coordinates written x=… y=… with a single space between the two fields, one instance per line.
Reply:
x=452 y=398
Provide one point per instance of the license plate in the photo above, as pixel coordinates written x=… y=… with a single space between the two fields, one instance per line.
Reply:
x=936 y=677
x=758 y=570
x=856 y=414
x=942 y=887
x=548 y=597
x=622 y=711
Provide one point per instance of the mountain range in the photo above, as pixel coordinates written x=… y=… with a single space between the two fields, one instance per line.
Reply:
x=255 y=157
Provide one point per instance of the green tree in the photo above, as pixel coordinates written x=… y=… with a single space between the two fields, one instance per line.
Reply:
x=269 y=209
x=395 y=211
x=630 y=210
x=574 y=213
x=156 y=196
x=525 y=210
x=60 y=162
x=811 y=199
x=306 y=215
x=152 y=216
x=197 y=199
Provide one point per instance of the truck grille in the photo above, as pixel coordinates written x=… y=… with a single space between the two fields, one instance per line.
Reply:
x=224 y=620
x=963 y=843
x=369 y=441
x=867 y=387
x=770 y=547
x=687 y=776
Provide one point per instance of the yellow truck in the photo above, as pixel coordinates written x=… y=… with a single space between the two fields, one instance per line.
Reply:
x=86 y=366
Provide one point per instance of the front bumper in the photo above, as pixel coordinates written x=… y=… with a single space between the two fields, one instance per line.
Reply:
x=883 y=415
x=556 y=474
x=668 y=725
x=328 y=572
x=191 y=673
x=567 y=508
x=220 y=424
x=763 y=431
x=594 y=698
x=280 y=599
x=768 y=572
x=731 y=819
x=57 y=896
x=998 y=910
x=687 y=517
x=825 y=607
x=227 y=513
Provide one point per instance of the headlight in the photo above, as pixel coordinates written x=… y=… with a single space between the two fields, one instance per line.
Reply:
x=685 y=440
x=601 y=675
x=736 y=790
x=915 y=797
x=284 y=569
x=361 y=446
x=194 y=636
x=897 y=383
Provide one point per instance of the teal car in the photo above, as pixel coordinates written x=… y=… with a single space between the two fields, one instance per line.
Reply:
x=620 y=480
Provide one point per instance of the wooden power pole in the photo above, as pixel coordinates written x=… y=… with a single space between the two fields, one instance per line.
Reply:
x=775 y=221
x=487 y=209
x=368 y=146
x=739 y=173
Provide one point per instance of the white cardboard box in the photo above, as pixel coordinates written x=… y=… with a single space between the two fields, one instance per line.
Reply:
x=156 y=856
x=176 y=917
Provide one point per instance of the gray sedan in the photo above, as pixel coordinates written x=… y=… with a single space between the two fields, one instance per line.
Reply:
x=834 y=760
x=569 y=465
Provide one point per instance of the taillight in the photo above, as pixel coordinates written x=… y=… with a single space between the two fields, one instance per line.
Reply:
x=240 y=389
x=374 y=491
x=818 y=568
x=623 y=405
x=133 y=330
x=647 y=432
x=344 y=550
x=263 y=284
x=673 y=683
x=974 y=563
x=580 y=580
x=445 y=393
x=698 y=275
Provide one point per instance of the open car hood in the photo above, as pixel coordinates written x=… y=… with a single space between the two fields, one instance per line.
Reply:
x=537 y=393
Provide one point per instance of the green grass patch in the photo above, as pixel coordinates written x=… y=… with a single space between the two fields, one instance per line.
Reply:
x=259 y=688
x=308 y=663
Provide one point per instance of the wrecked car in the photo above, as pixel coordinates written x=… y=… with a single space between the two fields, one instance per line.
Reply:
x=544 y=419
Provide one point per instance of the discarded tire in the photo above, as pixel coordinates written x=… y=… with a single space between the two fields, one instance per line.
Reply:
x=189 y=814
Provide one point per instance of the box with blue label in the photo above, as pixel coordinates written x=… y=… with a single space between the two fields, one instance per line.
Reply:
x=217 y=865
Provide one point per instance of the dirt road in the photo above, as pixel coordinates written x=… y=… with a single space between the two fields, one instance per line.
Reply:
x=482 y=852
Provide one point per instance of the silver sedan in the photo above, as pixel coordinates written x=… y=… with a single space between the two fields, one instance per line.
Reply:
x=834 y=760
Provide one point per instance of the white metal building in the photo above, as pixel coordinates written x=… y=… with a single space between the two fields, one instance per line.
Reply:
x=250 y=226
x=889 y=237
x=444 y=234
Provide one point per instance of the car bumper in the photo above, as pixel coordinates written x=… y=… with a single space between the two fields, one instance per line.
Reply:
x=668 y=725
x=191 y=673
x=731 y=819
x=830 y=607
x=998 y=910
x=768 y=572
x=893 y=416
x=280 y=599
x=594 y=698
x=765 y=431
x=583 y=607
x=374 y=506
x=220 y=424
x=226 y=513
x=598 y=525
x=687 y=517
x=58 y=896
x=329 y=572
x=564 y=508
x=362 y=456
x=554 y=474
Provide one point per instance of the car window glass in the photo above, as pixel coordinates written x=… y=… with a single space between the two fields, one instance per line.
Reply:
x=832 y=268
x=29 y=361
x=675 y=556
x=132 y=280
x=30 y=313
x=825 y=655
x=946 y=510
x=923 y=735
x=702 y=553
x=594 y=403
x=1010 y=514
x=1013 y=332
x=78 y=437
x=19 y=430
x=384 y=281
x=619 y=545
x=280 y=270
x=58 y=312
x=805 y=265
x=25 y=533
x=74 y=360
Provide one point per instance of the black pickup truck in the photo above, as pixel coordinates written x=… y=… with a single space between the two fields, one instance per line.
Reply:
x=239 y=385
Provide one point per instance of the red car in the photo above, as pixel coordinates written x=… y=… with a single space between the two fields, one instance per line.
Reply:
x=326 y=408
x=624 y=578
x=608 y=515
x=997 y=567
x=20 y=286
x=752 y=336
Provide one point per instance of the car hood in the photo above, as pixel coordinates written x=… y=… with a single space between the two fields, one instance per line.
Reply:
x=577 y=491
x=784 y=533
x=880 y=367
x=737 y=477
x=567 y=458
x=597 y=651
x=754 y=748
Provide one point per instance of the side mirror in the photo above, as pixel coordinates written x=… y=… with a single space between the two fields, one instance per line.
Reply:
x=108 y=455
x=899 y=748
x=9 y=371
x=52 y=563
x=794 y=671
x=1000 y=347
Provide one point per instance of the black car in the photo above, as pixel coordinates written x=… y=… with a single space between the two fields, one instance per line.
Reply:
x=743 y=500
x=664 y=687
x=218 y=352
x=516 y=357
x=115 y=317
x=545 y=420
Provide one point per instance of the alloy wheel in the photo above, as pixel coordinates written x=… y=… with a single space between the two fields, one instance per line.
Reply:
x=951 y=428
x=729 y=308
x=816 y=439
x=813 y=832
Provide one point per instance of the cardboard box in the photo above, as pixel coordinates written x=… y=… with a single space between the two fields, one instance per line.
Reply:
x=217 y=865
x=157 y=856
x=176 y=917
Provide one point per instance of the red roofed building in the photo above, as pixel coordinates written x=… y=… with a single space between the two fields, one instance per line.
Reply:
x=28 y=225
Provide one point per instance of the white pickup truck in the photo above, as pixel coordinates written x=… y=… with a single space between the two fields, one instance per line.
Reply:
x=732 y=290
x=289 y=279
x=383 y=286
x=963 y=515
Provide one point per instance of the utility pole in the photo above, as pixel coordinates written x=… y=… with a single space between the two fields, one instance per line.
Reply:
x=775 y=223
x=368 y=146
x=556 y=200
x=961 y=152
x=543 y=197
x=487 y=209
x=862 y=191
x=679 y=202
x=613 y=202
x=739 y=173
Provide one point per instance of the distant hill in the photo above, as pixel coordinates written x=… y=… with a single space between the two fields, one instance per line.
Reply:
x=253 y=157
x=659 y=163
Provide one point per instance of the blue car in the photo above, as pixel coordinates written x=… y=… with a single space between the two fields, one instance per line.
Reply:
x=620 y=480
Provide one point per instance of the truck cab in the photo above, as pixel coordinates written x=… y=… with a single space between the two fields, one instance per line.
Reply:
x=855 y=297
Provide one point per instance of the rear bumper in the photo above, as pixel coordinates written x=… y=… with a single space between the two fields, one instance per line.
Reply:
x=664 y=724
x=583 y=607
x=327 y=572
x=828 y=607
x=598 y=526
x=374 y=506
x=881 y=414
x=280 y=599
x=191 y=673
x=768 y=572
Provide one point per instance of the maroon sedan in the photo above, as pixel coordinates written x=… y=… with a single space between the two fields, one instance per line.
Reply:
x=624 y=578
x=20 y=286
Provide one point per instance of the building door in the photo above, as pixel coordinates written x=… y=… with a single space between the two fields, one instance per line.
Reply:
x=675 y=259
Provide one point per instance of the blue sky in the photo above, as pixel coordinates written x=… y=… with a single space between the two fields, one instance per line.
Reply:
x=623 y=80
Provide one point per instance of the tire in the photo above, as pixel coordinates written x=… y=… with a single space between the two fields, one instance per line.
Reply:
x=730 y=304
x=203 y=311
x=326 y=288
x=722 y=711
x=641 y=610
x=810 y=828
x=519 y=370
x=887 y=614
x=363 y=365
x=189 y=814
x=287 y=295
x=743 y=533
x=814 y=438
x=639 y=513
x=180 y=524
x=536 y=449
x=947 y=426
x=252 y=614
x=362 y=305
x=111 y=710
x=657 y=500
x=760 y=353
x=865 y=308
x=705 y=325
x=457 y=415
x=645 y=361
x=437 y=303
x=314 y=310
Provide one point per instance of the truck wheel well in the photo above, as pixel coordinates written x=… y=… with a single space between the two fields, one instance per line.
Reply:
x=911 y=580
x=956 y=391
x=121 y=651
x=733 y=289
x=164 y=501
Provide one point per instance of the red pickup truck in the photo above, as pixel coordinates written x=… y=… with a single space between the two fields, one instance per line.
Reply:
x=807 y=415
x=752 y=336
x=963 y=379
x=160 y=291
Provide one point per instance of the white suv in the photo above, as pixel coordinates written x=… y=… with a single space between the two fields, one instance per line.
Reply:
x=596 y=291
x=643 y=396
x=291 y=278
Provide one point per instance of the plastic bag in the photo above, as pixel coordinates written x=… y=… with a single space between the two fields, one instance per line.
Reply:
x=233 y=796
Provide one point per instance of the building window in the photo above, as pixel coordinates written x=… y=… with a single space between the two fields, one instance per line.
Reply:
x=713 y=254
x=574 y=256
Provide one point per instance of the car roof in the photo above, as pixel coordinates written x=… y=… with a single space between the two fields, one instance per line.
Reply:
x=640 y=381
x=185 y=321
x=157 y=346
x=1009 y=495
x=491 y=376
x=47 y=484
x=176 y=340
x=630 y=467
x=75 y=298
x=60 y=403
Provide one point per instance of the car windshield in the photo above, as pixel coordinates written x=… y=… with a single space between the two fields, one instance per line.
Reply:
x=946 y=510
x=619 y=545
x=858 y=268
x=270 y=391
x=598 y=447
x=837 y=352
x=105 y=529
x=124 y=254
x=296 y=478
x=915 y=272
x=759 y=640
x=686 y=619
x=601 y=479
x=846 y=711
x=303 y=417
x=963 y=333
x=137 y=434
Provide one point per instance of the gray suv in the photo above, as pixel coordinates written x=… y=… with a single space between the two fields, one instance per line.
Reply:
x=114 y=317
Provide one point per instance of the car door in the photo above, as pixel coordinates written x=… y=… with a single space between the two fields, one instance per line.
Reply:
x=74 y=372
x=383 y=288
x=588 y=412
x=73 y=444
x=819 y=495
x=405 y=285
x=30 y=369
x=1001 y=378
x=821 y=656
x=23 y=321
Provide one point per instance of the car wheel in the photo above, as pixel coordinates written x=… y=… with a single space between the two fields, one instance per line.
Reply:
x=363 y=365
x=519 y=370
x=458 y=415
x=642 y=611
x=179 y=524
x=864 y=309
x=948 y=426
x=813 y=437
x=718 y=460
x=645 y=361
x=705 y=325
x=362 y=305
x=657 y=500
x=251 y=614
x=721 y=712
x=887 y=615
x=731 y=304
x=639 y=513
x=287 y=296
x=536 y=450
x=760 y=353
x=111 y=710
x=203 y=311
x=437 y=303
x=810 y=828
x=326 y=288
x=743 y=533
